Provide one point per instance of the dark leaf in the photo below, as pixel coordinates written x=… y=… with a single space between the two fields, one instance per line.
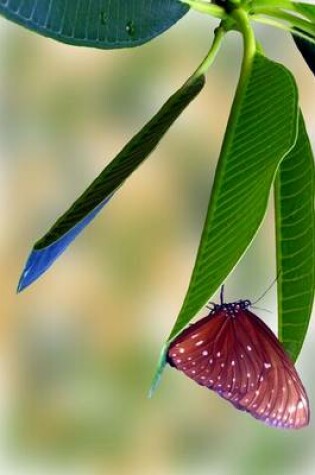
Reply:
x=87 y=206
x=101 y=24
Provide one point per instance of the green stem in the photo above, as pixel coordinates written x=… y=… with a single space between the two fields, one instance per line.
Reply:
x=242 y=21
x=210 y=57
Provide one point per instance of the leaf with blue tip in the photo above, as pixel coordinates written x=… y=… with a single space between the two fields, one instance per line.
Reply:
x=88 y=205
x=41 y=259
x=103 y=24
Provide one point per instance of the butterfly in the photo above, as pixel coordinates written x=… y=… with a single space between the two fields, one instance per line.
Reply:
x=232 y=352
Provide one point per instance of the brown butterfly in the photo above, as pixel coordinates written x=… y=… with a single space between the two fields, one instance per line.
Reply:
x=234 y=353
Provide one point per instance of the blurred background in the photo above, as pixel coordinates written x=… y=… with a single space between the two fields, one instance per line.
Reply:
x=78 y=349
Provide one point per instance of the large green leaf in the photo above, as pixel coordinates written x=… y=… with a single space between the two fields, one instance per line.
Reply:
x=262 y=128
x=295 y=225
x=97 y=23
x=89 y=204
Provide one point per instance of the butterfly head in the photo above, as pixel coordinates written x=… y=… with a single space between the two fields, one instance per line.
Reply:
x=231 y=309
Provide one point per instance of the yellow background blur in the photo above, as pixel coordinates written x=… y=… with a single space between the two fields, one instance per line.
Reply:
x=78 y=349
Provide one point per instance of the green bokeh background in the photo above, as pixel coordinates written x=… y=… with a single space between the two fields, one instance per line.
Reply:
x=79 y=348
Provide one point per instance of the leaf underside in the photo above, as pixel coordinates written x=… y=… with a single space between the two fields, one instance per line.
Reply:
x=295 y=226
x=88 y=205
x=251 y=153
x=98 y=23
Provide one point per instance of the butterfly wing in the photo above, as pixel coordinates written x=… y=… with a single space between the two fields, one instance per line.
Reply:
x=237 y=356
x=280 y=398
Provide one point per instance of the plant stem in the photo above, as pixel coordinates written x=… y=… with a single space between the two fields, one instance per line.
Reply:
x=242 y=22
x=210 y=57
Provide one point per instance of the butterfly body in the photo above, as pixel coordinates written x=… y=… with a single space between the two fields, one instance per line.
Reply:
x=232 y=352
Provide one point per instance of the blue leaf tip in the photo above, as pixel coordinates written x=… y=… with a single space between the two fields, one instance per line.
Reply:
x=41 y=259
x=37 y=263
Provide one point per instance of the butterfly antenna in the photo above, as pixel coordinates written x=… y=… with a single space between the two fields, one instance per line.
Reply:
x=222 y=295
x=268 y=288
x=260 y=308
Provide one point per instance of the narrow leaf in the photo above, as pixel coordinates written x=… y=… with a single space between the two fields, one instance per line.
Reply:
x=262 y=128
x=305 y=9
x=88 y=205
x=295 y=231
x=100 y=24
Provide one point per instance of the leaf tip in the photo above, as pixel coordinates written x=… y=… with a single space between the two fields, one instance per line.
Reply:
x=35 y=266
x=158 y=374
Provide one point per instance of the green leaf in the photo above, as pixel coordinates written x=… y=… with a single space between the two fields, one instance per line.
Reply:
x=89 y=204
x=295 y=226
x=305 y=9
x=101 y=24
x=262 y=128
